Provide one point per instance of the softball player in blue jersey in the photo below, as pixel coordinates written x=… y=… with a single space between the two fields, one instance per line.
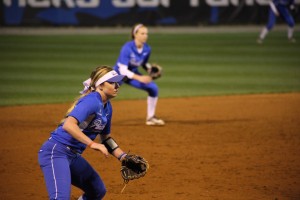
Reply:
x=279 y=8
x=60 y=156
x=133 y=54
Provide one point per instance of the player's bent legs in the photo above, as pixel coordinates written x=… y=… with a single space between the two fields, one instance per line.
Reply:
x=268 y=27
x=287 y=17
x=87 y=179
x=271 y=20
x=152 y=90
x=55 y=166
x=151 y=106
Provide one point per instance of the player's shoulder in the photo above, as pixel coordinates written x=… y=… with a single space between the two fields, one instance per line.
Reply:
x=90 y=96
x=129 y=44
x=147 y=46
x=92 y=99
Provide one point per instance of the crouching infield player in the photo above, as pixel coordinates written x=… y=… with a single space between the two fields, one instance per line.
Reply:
x=60 y=156
x=133 y=54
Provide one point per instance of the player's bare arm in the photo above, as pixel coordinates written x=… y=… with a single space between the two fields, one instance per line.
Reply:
x=73 y=129
x=142 y=78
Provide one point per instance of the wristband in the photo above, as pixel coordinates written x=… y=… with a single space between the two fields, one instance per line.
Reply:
x=90 y=144
x=110 y=144
x=121 y=156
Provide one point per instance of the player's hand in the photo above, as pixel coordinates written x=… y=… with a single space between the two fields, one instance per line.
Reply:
x=100 y=147
x=145 y=79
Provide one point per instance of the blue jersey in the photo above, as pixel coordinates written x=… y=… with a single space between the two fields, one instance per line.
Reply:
x=93 y=118
x=130 y=56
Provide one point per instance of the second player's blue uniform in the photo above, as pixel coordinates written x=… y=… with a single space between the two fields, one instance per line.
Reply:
x=131 y=57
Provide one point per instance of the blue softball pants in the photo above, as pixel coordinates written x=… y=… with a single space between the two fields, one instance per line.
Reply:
x=62 y=167
x=151 y=88
x=284 y=14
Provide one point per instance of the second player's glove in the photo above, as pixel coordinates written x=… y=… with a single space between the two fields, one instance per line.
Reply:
x=154 y=70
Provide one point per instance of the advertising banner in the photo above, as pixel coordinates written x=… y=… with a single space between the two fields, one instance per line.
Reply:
x=129 y=12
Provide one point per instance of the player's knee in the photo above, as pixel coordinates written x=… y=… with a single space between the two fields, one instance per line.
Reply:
x=153 y=93
x=291 y=24
x=269 y=27
x=96 y=189
x=101 y=192
x=98 y=194
x=54 y=196
x=153 y=90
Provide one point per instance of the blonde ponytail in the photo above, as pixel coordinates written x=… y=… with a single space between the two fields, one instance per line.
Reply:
x=95 y=76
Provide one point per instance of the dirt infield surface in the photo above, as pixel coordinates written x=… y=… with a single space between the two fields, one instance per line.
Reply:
x=231 y=147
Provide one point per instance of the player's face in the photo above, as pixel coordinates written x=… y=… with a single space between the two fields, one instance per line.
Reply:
x=142 y=35
x=110 y=89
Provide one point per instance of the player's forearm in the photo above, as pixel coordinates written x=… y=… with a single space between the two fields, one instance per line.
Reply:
x=117 y=152
x=72 y=128
x=137 y=77
x=142 y=78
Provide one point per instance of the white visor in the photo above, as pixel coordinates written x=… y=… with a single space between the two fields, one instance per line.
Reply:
x=111 y=76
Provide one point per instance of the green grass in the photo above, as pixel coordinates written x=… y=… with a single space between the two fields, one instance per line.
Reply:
x=50 y=69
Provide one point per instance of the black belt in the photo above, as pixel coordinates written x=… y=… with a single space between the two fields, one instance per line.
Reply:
x=69 y=148
x=73 y=150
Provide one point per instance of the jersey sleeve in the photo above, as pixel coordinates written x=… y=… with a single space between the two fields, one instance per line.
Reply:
x=123 y=61
x=83 y=109
x=123 y=69
x=106 y=130
x=148 y=55
x=124 y=57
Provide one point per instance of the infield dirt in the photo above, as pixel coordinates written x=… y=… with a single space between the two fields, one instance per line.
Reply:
x=230 y=147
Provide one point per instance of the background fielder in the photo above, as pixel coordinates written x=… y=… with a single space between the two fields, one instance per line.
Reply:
x=133 y=54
